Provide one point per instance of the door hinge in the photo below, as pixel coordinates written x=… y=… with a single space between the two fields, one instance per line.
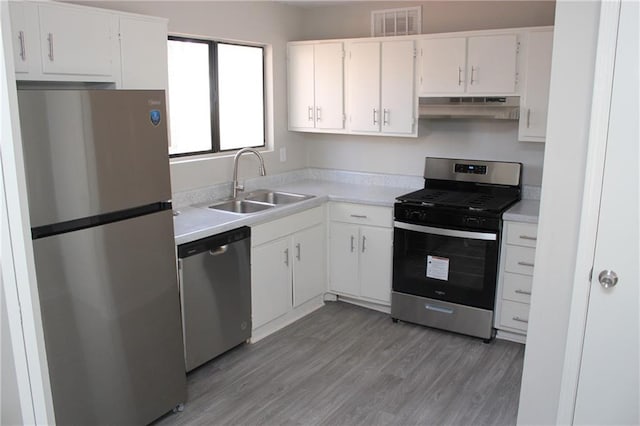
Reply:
x=517 y=47
x=415 y=52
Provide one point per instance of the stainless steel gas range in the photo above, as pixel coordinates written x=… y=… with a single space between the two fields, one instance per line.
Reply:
x=446 y=244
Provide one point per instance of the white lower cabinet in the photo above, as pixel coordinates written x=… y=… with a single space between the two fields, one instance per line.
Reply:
x=514 y=282
x=360 y=251
x=287 y=270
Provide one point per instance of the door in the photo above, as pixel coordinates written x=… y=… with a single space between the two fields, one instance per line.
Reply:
x=397 y=86
x=270 y=281
x=343 y=252
x=301 y=83
x=308 y=264
x=80 y=159
x=533 y=124
x=375 y=263
x=491 y=64
x=442 y=65
x=608 y=382
x=63 y=51
x=143 y=51
x=19 y=36
x=111 y=321
x=364 y=87
x=329 y=85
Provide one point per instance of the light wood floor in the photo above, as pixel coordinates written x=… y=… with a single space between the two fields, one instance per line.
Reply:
x=346 y=365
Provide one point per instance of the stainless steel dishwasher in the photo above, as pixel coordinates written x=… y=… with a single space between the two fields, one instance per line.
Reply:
x=215 y=288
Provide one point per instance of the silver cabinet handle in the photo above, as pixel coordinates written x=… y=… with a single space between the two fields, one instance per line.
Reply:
x=473 y=70
x=50 y=39
x=318 y=116
x=608 y=278
x=526 y=237
x=310 y=113
x=526 y=321
x=352 y=241
x=528 y=293
x=528 y=118
x=23 y=52
x=459 y=76
x=526 y=264
x=286 y=257
x=364 y=240
x=375 y=116
x=298 y=251
x=385 y=116
x=219 y=250
x=359 y=216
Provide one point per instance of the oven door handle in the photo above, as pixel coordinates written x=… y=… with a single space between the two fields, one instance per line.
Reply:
x=487 y=236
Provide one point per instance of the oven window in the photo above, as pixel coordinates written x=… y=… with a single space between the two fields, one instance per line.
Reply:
x=458 y=270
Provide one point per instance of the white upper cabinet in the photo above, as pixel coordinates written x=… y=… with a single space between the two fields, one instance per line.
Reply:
x=475 y=65
x=316 y=87
x=381 y=88
x=535 y=86
x=77 y=41
x=143 y=51
x=19 y=31
x=69 y=43
x=442 y=63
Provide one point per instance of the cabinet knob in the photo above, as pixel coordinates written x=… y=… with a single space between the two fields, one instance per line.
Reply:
x=608 y=278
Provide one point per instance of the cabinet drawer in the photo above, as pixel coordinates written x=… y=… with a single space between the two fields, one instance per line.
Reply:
x=514 y=315
x=288 y=225
x=517 y=287
x=519 y=260
x=362 y=214
x=522 y=234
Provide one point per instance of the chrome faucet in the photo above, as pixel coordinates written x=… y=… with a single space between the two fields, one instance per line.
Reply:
x=237 y=187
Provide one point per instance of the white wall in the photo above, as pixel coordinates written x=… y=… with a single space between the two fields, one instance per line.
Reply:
x=469 y=138
x=261 y=22
x=464 y=138
x=575 y=41
x=353 y=20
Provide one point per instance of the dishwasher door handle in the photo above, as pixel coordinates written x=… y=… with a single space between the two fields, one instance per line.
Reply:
x=219 y=250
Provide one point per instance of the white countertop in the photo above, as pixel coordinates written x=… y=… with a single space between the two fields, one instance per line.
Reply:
x=195 y=222
x=523 y=211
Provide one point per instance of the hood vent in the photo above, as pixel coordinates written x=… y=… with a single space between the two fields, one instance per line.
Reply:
x=500 y=108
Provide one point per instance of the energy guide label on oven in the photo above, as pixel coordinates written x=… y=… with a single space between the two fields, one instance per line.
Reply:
x=438 y=268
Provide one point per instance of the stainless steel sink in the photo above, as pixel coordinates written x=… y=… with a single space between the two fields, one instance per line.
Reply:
x=275 y=197
x=259 y=200
x=241 y=206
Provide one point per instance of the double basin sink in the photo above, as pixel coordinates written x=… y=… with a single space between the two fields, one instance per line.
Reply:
x=259 y=200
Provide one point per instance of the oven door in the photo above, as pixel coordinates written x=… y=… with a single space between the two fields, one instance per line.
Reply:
x=446 y=264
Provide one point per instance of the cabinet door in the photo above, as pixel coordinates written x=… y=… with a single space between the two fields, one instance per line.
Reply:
x=301 y=76
x=76 y=42
x=491 y=64
x=535 y=99
x=308 y=264
x=143 y=50
x=397 y=86
x=376 y=250
x=329 y=91
x=19 y=35
x=270 y=281
x=364 y=87
x=343 y=252
x=442 y=65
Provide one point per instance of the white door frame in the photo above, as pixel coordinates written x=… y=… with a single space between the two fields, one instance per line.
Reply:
x=597 y=145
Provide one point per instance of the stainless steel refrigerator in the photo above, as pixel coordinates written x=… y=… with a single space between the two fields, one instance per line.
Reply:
x=99 y=195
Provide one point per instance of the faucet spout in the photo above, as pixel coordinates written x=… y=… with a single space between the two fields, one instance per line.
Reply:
x=263 y=172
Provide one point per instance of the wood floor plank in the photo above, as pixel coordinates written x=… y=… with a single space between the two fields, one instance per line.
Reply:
x=347 y=365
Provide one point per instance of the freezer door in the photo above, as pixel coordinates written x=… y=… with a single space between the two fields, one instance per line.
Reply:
x=110 y=312
x=89 y=152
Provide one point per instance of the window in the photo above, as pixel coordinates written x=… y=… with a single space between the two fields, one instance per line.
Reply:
x=216 y=96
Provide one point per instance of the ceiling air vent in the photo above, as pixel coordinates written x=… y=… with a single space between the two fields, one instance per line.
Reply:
x=401 y=21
